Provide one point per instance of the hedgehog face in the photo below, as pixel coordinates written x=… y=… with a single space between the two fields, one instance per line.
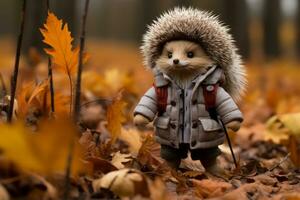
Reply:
x=183 y=57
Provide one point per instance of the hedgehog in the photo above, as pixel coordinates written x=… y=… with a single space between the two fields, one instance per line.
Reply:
x=198 y=78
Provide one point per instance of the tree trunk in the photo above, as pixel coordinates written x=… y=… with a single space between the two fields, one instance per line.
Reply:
x=35 y=16
x=66 y=10
x=271 y=23
x=148 y=11
x=236 y=16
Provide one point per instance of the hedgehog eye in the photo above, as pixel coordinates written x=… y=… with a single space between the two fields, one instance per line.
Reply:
x=190 y=54
x=170 y=54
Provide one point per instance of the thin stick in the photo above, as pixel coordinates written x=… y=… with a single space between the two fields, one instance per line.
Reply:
x=80 y=65
x=281 y=161
x=16 y=67
x=51 y=85
x=71 y=91
x=48 y=4
x=50 y=74
x=229 y=144
x=3 y=92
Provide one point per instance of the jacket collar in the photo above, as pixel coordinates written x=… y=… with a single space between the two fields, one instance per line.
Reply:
x=212 y=76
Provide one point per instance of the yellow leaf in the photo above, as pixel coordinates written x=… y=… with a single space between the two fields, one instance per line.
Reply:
x=44 y=151
x=57 y=35
x=115 y=117
x=280 y=127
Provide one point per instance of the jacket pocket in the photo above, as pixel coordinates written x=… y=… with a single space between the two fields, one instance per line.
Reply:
x=210 y=130
x=210 y=125
x=162 y=127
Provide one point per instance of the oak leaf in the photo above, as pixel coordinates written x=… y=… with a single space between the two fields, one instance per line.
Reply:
x=58 y=37
x=280 y=127
x=119 y=159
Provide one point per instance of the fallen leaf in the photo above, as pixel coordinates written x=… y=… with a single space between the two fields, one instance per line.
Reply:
x=279 y=127
x=115 y=117
x=124 y=183
x=208 y=188
x=133 y=138
x=119 y=159
x=149 y=153
x=99 y=164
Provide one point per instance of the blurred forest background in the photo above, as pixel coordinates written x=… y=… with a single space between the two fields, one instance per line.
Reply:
x=262 y=28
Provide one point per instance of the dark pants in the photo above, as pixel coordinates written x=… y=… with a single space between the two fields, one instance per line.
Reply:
x=172 y=155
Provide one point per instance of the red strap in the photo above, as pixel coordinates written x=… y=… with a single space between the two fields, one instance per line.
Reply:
x=210 y=93
x=162 y=98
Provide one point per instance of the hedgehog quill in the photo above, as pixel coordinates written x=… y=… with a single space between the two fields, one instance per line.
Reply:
x=198 y=77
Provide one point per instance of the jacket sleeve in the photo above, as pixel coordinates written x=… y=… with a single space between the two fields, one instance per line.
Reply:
x=147 y=105
x=227 y=108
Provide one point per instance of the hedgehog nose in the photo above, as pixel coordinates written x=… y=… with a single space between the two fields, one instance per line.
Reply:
x=175 y=61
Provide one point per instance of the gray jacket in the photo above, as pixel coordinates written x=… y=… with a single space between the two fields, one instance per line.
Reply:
x=186 y=119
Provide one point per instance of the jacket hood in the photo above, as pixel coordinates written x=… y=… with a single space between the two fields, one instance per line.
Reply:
x=205 y=29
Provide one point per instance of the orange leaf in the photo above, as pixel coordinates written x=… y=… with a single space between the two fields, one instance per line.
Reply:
x=115 y=117
x=33 y=96
x=57 y=35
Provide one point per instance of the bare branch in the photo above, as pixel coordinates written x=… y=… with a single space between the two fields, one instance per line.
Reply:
x=17 y=61
x=80 y=65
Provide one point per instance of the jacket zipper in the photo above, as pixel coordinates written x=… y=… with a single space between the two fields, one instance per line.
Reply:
x=183 y=113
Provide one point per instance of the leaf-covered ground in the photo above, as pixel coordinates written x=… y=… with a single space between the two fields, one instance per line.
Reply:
x=109 y=158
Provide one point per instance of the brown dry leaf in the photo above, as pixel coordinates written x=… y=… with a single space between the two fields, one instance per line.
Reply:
x=149 y=153
x=43 y=151
x=124 y=183
x=133 y=138
x=115 y=117
x=99 y=164
x=88 y=144
x=119 y=159
x=192 y=165
x=158 y=190
x=57 y=35
x=208 y=188
x=51 y=191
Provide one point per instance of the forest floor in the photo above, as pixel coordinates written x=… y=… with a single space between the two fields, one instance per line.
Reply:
x=112 y=159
